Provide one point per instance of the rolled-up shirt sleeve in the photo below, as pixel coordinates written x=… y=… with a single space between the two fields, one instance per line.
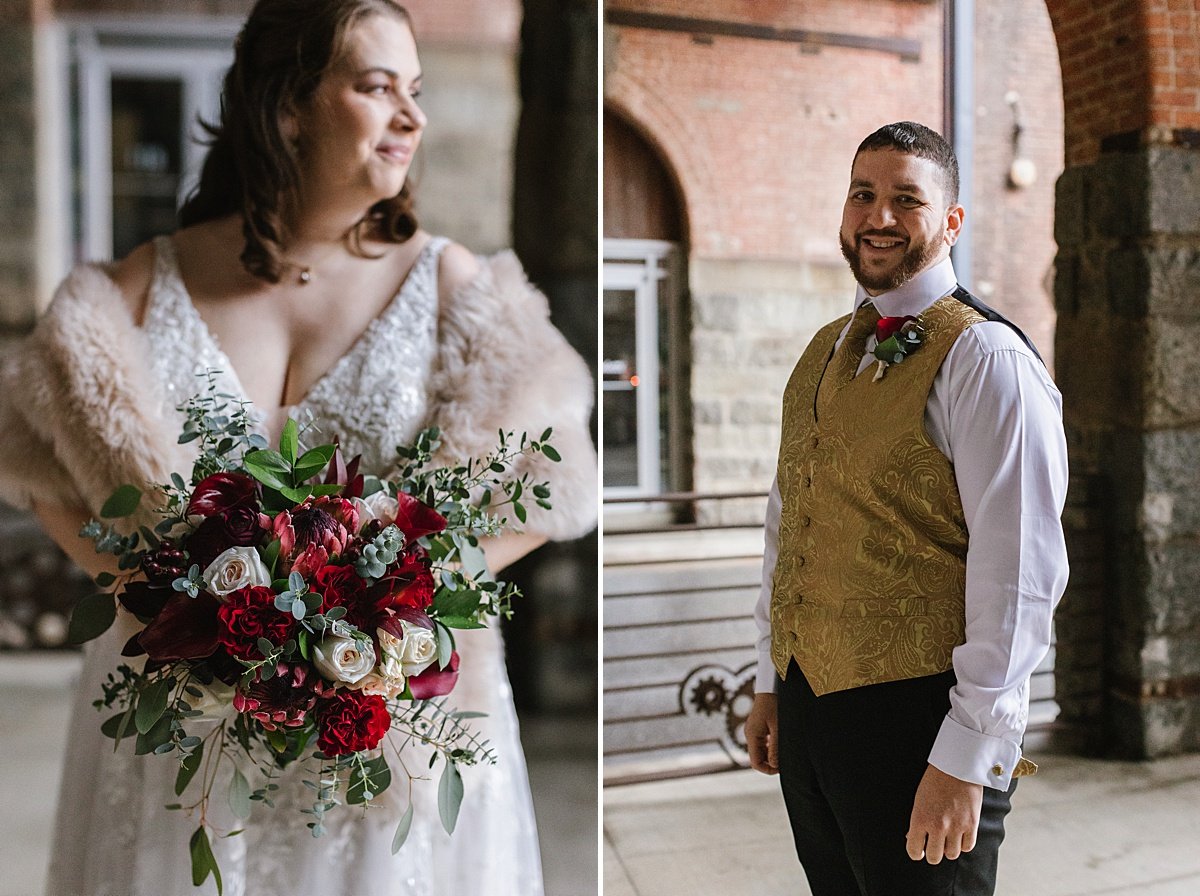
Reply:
x=998 y=416
x=764 y=679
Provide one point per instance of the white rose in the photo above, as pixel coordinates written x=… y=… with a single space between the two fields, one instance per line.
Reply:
x=384 y=686
x=407 y=656
x=342 y=659
x=382 y=506
x=215 y=702
x=233 y=569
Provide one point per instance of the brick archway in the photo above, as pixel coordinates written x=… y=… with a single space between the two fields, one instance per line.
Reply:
x=1127 y=290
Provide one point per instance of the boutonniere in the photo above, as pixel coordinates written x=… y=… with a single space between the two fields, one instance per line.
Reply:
x=895 y=339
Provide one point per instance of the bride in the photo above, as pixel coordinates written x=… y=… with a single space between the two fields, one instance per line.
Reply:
x=301 y=274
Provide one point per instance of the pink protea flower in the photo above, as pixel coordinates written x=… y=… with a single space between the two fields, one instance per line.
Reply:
x=322 y=522
x=283 y=700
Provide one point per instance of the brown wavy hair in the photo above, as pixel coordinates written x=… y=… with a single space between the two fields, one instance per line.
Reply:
x=281 y=54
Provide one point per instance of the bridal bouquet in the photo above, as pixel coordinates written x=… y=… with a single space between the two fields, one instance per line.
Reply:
x=297 y=611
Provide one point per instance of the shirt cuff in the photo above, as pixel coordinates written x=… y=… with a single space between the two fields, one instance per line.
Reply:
x=971 y=755
x=764 y=677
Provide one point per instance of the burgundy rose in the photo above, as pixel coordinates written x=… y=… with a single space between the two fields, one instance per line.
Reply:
x=409 y=582
x=435 y=682
x=351 y=721
x=341 y=586
x=889 y=326
x=324 y=522
x=415 y=519
x=249 y=614
x=185 y=629
x=282 y=701
x=221 y=492
x=239 y=527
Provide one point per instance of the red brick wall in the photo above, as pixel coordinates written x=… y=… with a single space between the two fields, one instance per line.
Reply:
x=761 y=133
x=1126 y=66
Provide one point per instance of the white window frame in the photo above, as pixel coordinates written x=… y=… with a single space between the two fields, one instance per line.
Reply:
x=194 y=52
x=642 y=266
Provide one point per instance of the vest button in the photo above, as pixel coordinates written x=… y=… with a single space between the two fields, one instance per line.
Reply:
x=799 y=561
x=815 y=442
x=808 y=482
x=805 y=521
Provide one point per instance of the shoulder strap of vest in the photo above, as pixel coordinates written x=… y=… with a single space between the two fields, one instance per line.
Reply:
x=992 y=314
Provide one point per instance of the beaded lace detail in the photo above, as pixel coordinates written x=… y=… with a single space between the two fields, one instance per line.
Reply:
x=115 y=838
x=372 y=399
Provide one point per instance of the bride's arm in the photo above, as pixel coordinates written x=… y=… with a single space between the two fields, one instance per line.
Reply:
x=504 y=550
x=62 y=524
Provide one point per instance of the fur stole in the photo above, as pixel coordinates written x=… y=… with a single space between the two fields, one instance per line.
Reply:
x=80 y=414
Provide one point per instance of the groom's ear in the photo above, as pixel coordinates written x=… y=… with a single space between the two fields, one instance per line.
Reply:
x=955 y=215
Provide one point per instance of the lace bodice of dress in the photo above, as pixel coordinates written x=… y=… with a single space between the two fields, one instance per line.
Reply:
x=372 y=399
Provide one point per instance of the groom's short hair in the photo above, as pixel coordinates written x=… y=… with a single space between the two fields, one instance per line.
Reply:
x=917 y=140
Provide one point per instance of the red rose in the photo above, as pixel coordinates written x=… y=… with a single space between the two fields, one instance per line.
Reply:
x=221 y=492
x=249 y=614
x=408 y=583
x=889 y=326
x=435 y=682
x=415 y=519
x=351 y=721
x=341 y=586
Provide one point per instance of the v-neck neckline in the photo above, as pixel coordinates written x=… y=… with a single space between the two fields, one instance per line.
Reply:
x=166 y=247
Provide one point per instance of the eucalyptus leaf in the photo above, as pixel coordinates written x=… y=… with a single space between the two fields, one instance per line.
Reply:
x=152 y=704
x=450 y=794
x=551 y=453
x=122 y=502
x=188 y=769
x=239 y=794
x=91 y=617
x=402 y=829
x=445 y=645
x=154 y=738
x=204 y=862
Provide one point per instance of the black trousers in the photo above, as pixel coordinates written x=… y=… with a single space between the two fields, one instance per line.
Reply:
x=849 y=765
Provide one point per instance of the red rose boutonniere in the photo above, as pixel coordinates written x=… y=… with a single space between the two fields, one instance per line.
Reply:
x=895 y=339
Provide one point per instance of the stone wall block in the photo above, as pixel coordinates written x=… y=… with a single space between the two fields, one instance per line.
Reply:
x=715 y=311
x=760 y=412
x=1066 y=286
x=1128 y=281
x=1170 y=606
x=1117 y=196
x=1170 y=461
x=1097 y=391
x=1154 y=726
x=1155 y=280
x=1070 y=206
x=1170 y=379
x=1173 y=199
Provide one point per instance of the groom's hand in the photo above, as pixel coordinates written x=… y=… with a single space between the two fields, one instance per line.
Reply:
x=762 y=738
x=945 y=817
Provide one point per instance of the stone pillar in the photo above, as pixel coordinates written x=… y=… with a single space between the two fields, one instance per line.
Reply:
x=18 y=161
x=1128 y=347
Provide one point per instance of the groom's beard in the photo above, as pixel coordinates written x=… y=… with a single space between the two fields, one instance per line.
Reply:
x=916 y=259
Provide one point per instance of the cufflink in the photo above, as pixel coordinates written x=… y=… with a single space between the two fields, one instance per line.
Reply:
x=997 y=770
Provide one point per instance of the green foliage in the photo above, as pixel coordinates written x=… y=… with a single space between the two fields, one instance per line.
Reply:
x=123 y=502
x=91 y=617
x=450 y=794
x=204 y=862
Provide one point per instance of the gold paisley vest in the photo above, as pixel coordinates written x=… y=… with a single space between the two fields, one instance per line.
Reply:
x=871 y=575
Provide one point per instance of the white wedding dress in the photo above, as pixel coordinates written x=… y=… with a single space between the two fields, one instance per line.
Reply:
x=115 y=838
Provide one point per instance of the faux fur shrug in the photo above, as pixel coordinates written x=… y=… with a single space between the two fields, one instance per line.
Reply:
x=80 y=414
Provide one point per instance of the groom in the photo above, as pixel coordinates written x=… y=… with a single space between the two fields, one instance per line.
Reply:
x=914 y=553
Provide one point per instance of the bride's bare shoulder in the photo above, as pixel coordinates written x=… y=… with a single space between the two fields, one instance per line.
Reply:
x=457 y=267
x=133 y=275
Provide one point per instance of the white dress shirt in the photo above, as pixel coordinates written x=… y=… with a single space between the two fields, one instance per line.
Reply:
x=995 y=413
